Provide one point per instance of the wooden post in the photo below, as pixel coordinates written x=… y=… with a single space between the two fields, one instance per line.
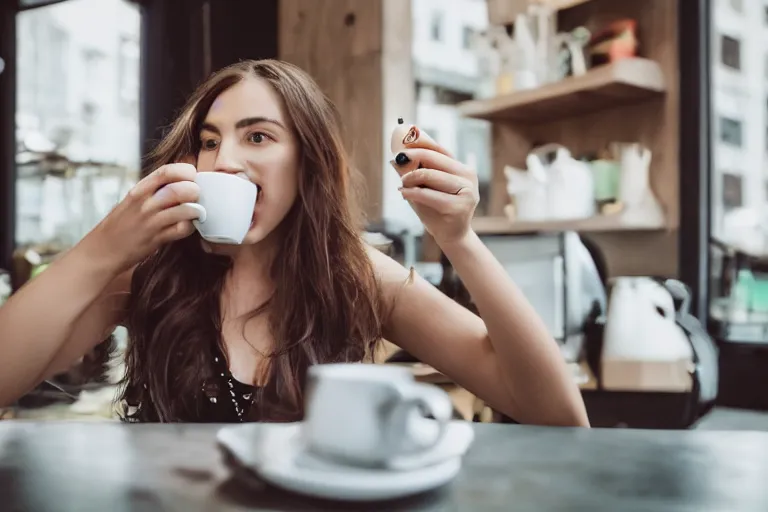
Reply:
x=7 y=134
x=183 y=41
x=359 y=52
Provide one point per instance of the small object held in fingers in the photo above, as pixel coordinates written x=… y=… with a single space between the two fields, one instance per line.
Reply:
x=412 y=135
x=406 y=136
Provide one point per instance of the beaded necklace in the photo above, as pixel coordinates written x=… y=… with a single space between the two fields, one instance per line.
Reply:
x=240 y=395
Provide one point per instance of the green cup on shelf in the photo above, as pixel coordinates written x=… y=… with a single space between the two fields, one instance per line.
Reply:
x=607 y=174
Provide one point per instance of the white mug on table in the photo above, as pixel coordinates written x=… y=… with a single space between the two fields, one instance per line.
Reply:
x=368 y=415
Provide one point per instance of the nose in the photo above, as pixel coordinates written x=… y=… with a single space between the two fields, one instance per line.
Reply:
x=227 y=159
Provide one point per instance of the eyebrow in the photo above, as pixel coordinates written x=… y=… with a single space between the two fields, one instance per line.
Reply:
x=243 y=123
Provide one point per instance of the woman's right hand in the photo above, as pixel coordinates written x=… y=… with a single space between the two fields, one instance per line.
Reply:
x=152 y=214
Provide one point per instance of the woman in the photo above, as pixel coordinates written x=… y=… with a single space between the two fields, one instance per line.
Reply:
x=226 y=333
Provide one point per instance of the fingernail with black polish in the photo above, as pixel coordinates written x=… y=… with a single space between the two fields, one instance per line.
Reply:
x=402 y=159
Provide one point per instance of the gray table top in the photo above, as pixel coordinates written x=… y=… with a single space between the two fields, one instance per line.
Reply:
x=64 y=466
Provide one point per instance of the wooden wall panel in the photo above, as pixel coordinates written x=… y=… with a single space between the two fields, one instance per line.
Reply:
x=350 y=47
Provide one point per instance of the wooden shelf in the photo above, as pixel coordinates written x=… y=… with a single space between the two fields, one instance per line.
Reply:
x=504 y=12
x=563 y=4
x=600 y=223
x=623 y=82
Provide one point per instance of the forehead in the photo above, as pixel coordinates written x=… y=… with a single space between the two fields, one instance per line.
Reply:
x=251 y=97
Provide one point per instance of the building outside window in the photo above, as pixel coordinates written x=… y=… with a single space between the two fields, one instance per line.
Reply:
x=77 y=119
x=740 y=115
x=447 y=72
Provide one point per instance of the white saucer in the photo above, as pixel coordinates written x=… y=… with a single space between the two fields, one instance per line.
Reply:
x=275 y=453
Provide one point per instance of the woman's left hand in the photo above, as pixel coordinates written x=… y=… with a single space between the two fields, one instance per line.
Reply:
x=442 y=191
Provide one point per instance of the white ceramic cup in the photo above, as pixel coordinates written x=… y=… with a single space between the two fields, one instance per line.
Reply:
x=367 y=415
x=225 y=206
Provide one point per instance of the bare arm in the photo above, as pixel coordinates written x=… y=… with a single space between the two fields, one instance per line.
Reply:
x=94 y=325
x=509 y=359
x=79 y=299
x=56 y=318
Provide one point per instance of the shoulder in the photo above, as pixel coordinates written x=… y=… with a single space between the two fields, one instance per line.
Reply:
x=389 y=272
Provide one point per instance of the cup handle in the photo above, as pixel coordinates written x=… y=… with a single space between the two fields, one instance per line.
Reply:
x=202 y=214
x=432 y=399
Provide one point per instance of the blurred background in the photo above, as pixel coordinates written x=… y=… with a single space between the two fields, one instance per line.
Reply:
x=621 y=149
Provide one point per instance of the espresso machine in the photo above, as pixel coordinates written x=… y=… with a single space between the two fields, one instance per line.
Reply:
x=563 y=276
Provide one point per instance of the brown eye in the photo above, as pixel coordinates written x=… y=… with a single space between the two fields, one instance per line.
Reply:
x=209 y=144
x=256 y=138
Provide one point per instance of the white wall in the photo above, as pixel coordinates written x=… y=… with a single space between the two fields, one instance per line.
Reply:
x=440 y=121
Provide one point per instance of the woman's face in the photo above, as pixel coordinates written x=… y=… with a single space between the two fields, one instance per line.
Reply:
x=247 y=132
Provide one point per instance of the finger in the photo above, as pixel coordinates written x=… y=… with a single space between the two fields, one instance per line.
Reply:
x=436 y=180
x=403 y=165
x=172 y=195
x=411 y=137
x=411 y=159
x=174 y=215
x=176 y=232
x=163 y=176
x=438 y=201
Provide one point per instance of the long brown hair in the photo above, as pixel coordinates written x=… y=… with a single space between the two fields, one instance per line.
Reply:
x=325 y=307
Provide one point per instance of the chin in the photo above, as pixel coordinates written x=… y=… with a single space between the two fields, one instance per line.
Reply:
x=257 y=234
x=254 y=236
x=265 y=227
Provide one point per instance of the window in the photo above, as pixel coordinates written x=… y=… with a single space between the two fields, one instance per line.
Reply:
x=77 y=97
x=128 y=75
x=442 y=80
x=467 y=36
x=730 y=52
x=732 y=191
x=731 y=131
x=436 y=27
x=766 y=67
